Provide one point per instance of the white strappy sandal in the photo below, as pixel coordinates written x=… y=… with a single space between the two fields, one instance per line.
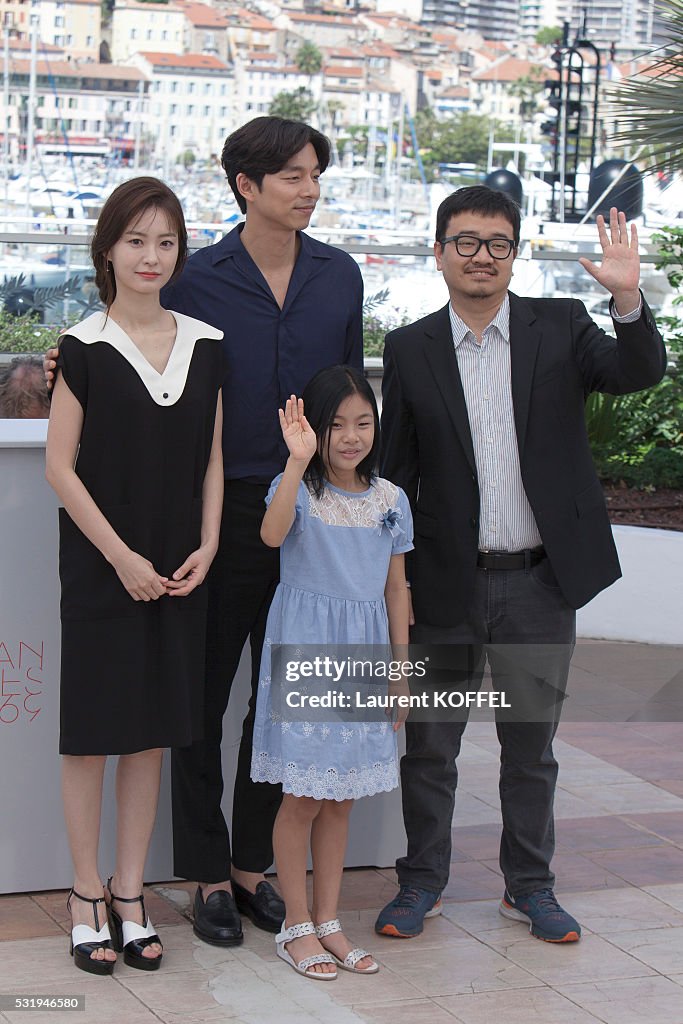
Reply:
x=297 y=931
x=351 y=959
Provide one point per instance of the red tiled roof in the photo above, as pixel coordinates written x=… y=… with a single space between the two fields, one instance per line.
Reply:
x=342 y=71
x=324 y=19
x=124 y=72
x=199 y=61
x=248 y=19
x=139 y=5
x=77 y=69
x=25 y=44
x=455 y=92
x=378 y=49
x=288 y=69
x=203 y=16
x=507 y=70
x=398 y=21
x=341 y=52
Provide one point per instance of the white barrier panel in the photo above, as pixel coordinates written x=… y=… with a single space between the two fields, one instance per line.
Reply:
x=645 y=604
x=34 y=853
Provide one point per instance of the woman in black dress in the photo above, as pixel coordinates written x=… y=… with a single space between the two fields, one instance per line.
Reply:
x=134 y=455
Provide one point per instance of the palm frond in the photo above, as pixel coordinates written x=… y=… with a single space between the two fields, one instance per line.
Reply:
x=649 y=106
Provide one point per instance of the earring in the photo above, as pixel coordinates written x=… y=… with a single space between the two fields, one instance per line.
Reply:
x=109 y=265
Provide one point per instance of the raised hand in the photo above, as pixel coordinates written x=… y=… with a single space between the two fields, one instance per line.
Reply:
x=296 y=430
x=619 y=271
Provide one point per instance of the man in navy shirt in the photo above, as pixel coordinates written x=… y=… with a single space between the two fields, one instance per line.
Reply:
x=288 y=306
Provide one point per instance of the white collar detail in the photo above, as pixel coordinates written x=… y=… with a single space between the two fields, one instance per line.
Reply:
x=164 y=388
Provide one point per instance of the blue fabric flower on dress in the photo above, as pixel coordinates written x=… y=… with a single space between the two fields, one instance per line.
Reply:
x=390 y=519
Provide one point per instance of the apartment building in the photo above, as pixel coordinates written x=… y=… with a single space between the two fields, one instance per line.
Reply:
x=155 y=27
x=72 y=25
x=206 y=30
x=191 y=102
x=78 y=107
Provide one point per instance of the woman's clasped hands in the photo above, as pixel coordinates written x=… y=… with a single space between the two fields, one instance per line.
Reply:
x=143 y=582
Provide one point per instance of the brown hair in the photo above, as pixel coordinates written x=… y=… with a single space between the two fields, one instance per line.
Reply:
x=124 y=207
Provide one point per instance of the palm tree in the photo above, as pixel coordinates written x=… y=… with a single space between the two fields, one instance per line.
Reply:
x=308 y=59
x=650 y=106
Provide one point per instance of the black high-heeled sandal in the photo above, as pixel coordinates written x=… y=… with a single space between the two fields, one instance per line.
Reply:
x=86 y=940
x=132 y=938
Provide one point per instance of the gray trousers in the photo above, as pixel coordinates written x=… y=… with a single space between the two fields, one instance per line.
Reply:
x=520 y=607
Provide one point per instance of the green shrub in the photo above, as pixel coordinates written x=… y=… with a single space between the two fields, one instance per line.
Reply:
x=638 y=439
x=24 y=333
x=375 y=328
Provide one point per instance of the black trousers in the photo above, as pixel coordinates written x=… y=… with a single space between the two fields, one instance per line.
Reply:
x=241 y=584
x=522 y=609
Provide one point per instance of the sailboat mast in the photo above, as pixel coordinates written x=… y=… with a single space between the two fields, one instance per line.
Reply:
x=31 y=119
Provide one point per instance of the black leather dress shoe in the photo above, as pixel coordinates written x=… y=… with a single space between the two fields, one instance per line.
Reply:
x=264 y=907
x=216 y=919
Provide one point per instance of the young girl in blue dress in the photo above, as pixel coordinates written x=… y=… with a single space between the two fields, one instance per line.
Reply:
x=343 y=534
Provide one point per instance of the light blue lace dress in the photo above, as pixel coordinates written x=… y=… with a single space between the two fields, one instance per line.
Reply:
x=333 y=570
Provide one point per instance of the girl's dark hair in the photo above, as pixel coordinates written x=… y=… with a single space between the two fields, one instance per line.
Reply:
x=322 y=397
x=124 y=207
x=264 y=145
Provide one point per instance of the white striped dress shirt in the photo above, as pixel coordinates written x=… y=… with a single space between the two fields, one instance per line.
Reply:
x=506 y=522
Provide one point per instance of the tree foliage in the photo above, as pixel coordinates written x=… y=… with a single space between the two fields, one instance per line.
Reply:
x=638 y=438
x=297 y=105
x=308 y=59
x=650 y=109
x=462 y=138
x=549 y=35
x=527 y=90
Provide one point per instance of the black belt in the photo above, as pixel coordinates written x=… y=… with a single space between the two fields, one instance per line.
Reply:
x=510 y=559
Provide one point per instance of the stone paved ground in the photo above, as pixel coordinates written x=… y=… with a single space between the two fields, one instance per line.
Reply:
x=619 y=865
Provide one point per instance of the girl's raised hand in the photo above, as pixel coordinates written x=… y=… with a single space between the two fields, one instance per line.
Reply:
x=298 y=434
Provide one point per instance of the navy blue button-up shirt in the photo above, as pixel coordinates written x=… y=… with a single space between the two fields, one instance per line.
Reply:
x=271 y=352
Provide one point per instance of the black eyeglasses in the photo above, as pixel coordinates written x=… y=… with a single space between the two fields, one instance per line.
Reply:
x=469 y=245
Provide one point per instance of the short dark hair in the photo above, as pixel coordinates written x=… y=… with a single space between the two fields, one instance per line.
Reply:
x=489 y=202
x=322 y=397
x=23 y=391
x=124 y=207
x=264 y=145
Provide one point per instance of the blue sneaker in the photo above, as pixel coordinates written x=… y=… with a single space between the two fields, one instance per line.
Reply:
x=547 y=920
x=403 y=917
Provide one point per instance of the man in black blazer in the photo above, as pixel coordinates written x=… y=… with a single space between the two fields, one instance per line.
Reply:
x=483 y=426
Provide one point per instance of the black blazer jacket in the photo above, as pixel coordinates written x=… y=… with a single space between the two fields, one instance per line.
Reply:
x=558 y=356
